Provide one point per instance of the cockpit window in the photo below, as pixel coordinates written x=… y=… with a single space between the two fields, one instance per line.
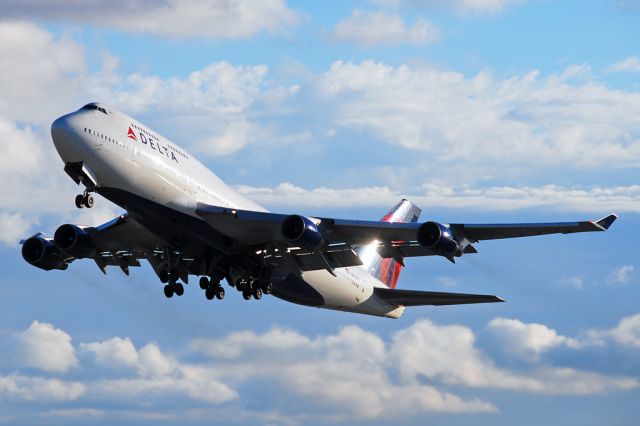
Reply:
x=94 y=107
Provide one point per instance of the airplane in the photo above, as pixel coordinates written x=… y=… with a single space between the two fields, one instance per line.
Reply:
x=185 y=221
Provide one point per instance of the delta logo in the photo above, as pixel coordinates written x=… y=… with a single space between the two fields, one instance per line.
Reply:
x=152 y=142
x=131 y=135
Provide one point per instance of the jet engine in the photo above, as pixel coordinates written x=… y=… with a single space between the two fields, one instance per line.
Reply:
x=43 y=253
x=302 y=231
x=439 y=238
x=75 y=241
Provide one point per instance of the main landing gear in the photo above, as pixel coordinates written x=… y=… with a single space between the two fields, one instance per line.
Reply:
x=172 y=285
x=84 y=200
x=212 y=288
x=253 y=288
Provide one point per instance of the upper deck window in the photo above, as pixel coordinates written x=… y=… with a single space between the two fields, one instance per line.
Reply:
x=94 y=107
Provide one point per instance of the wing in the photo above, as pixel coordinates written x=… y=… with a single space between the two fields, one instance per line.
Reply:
x=120 y=242
x=423 y=298
x=480 y=232
x=340 y=236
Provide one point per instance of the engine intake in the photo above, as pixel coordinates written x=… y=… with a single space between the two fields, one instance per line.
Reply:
x=302 y=231
x=439 y=238
x=75 y=241
x=43 y=254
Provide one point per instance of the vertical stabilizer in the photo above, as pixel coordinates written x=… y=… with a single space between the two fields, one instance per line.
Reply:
x=388 y=270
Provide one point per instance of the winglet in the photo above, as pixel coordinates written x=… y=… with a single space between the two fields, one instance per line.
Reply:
x=606 y=222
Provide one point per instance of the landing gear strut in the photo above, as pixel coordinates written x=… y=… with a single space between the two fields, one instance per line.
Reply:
x=84 y=200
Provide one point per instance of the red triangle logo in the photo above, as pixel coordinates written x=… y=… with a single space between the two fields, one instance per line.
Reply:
x=131 y=135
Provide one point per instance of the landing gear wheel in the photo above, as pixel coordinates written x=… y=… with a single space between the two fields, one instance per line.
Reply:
x=164 y=276
x=168 y=291
x=179 y=289
x=87 y=200
x=257 y=293
x=220 y=293
x=246 y=294
x=210 y=293
x=174 y=275
x=267 y=288
x=204 y=283
x=79 y=201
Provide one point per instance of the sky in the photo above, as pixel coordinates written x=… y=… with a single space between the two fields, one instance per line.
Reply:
x=476 y=110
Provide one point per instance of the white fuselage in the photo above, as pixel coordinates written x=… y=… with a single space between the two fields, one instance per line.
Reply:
x=123 y=153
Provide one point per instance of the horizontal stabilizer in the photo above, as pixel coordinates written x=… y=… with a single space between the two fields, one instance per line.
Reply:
x=435 y=298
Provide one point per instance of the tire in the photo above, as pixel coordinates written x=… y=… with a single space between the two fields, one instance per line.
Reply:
x=204 y=283
x=179 y=289
x=164 y=276
x=88 y=201
x=220 y=293
x=246 y=295
x=210 y=293
x=79 y=201
x=257 y=293
x=168 y=291
x=267 y=288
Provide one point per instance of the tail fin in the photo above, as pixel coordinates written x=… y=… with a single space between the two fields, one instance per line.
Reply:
x=385 y=269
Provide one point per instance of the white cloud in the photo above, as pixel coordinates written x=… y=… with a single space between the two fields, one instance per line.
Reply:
x=448 y=354
x=329 y=371
x=47 y=348
x=172 y=18
x=632 y=63
x=483 y=121
x=528 y=340
x=155 y=373
x=621 y=274
x=595 y=200
x=575 y=282
x=447 y=281
x=39 y=389
x=36 y=69
x=462 y=6
x=352 y=374
x=115 y=352
x=13 y=227
x=381 y=28
x=625 y=334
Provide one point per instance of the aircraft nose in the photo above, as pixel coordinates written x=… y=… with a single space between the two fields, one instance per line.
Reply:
x=66 y=138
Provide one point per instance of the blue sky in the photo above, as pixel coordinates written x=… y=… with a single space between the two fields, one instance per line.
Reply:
x=477 y=110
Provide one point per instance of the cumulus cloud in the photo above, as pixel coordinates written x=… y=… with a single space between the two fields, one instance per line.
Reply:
x=171 y=18
x=528 y=340
x=155 y=373
x=591 y=200
x=625 y=334
x=369 y=28
x=448 y=355
x=27 y=388
x=329 y=370
x=352 y=374
x=47 y=348
x=621 y=274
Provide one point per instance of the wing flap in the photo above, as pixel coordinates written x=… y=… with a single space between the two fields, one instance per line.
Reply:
x=433 y=298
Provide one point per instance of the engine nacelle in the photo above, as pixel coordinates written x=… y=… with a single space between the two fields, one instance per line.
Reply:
x=75 y=241
x=302 y=231
x=43 y=253
x=439 y=238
